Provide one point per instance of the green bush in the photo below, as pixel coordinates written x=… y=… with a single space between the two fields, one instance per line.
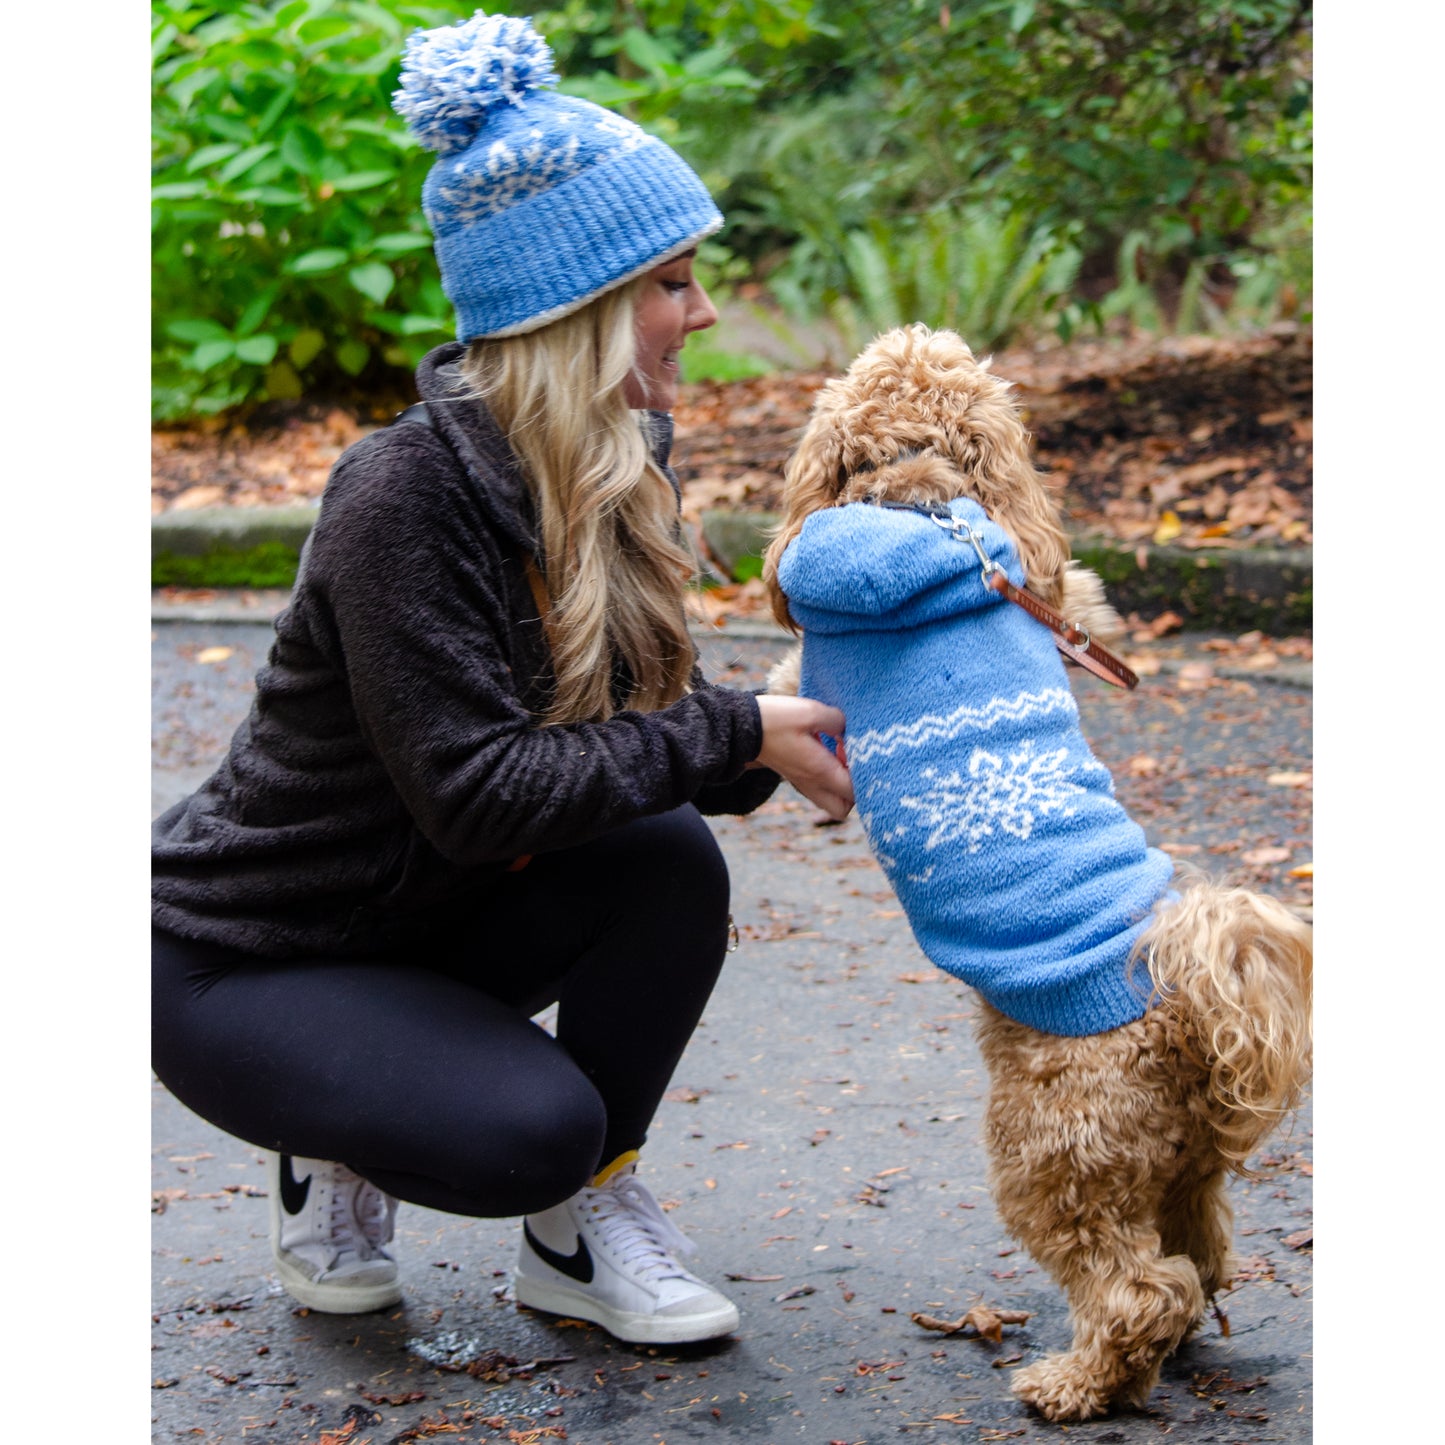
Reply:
x=288 y=247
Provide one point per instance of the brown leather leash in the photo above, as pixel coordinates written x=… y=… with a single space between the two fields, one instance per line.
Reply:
x=1071 y=639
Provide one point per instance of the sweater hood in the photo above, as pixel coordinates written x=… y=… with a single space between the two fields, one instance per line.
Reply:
x=866 y=567
x=470 y=431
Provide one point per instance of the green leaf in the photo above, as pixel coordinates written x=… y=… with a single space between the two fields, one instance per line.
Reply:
x=211 y=353
x=257 y=350
x=270 y=196
x=361 y=180
x=303 y=150
x=399 y=241
x=239 y=165
x=160 y=40
x=255 y=312
x=305 y=347
x=352 y=356
x=178 y=190
x=197 y=328
x=209 y=155
x=373 y=279
x=229 y=126
x=276 y=109
x=646 y=51
x=318 y=262
x=413 y=325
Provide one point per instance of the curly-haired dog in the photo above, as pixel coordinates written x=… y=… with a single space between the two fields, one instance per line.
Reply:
x=1142 y=1035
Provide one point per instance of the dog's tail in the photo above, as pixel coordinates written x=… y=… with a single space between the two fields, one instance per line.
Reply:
x=1236 y=969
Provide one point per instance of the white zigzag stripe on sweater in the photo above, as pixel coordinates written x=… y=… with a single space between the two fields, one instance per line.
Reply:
x=884 y=742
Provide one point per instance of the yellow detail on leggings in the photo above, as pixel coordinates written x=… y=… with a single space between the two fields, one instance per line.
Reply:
x=621 y=1162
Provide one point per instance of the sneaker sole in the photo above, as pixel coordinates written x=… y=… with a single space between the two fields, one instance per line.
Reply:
x=337 y=1299
x=632 y=1329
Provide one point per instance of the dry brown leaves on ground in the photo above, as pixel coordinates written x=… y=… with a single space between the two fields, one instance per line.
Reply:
x=1203 y=441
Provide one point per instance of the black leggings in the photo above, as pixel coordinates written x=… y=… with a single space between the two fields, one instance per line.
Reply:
x=422 y=1069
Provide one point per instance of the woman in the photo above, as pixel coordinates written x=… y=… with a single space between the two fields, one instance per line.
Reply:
x=471 y=780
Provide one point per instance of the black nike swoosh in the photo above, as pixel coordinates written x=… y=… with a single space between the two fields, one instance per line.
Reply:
x=577 y=1265
x=293 y=1194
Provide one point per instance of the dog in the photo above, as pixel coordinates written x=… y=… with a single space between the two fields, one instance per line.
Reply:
x=1143 y=1033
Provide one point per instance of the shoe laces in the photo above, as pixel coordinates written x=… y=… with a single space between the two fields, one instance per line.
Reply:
x=375 y=1212
x=361 y=1216
x=631 y=1222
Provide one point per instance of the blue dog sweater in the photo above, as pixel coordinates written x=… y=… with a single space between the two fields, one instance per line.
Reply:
x=995 y=823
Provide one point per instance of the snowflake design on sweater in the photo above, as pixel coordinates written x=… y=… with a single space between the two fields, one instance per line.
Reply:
x=1008 y=793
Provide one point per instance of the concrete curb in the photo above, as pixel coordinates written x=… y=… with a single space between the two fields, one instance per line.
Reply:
x=1229 y=589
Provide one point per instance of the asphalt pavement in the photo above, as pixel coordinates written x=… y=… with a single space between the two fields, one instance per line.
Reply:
x=820 y=1144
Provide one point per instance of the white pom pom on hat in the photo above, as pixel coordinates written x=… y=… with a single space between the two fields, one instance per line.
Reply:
x=453 y=76
x=539 y=202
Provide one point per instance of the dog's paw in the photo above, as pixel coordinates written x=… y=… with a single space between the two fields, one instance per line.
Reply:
x=1059 y=1387
x=1085 y=605
x=786 y=673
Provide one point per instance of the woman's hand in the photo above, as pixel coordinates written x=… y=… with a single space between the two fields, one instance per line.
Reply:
x=791 y=748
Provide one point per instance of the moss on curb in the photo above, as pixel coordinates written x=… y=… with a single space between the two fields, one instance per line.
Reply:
x=267 y=564
x=1230 y=591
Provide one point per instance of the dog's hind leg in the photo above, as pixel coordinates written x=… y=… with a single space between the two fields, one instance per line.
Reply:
x=1130 y=1305
x=1084 y=1135
x=1197 y=1219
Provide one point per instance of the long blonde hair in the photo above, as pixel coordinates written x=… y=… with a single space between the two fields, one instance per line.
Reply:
x=613 y=559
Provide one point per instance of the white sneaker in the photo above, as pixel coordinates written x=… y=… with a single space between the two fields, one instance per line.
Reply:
x=606 y=1255
x=329 y=1227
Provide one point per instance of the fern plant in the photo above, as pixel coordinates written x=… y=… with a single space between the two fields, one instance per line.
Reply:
x=985 y=275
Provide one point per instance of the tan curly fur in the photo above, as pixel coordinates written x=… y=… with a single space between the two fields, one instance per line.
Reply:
x=1108 y=1154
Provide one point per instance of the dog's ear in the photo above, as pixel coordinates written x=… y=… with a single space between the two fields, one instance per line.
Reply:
x=811 y=482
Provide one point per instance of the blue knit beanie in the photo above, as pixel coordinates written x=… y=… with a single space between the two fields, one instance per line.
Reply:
x=539 y=201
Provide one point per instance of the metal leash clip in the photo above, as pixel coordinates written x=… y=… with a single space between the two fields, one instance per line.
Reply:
x=962 y=532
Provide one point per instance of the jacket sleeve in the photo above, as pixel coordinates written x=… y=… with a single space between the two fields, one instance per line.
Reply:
x=419 y=610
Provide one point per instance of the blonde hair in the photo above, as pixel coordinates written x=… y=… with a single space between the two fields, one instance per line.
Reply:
x=612 y=556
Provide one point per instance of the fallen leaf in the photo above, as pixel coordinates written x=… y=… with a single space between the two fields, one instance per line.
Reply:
x=1300 y=1239
x=1291 y=780
x=1305 y=870
x=799 y=1292
x=985 y=1322
x=1259 y=857
x=1168 y=529
x=214 y=654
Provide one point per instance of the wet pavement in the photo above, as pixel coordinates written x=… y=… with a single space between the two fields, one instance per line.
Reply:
x=820 y=1144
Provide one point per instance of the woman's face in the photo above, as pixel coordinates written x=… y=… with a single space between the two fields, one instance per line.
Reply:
x=670 y=303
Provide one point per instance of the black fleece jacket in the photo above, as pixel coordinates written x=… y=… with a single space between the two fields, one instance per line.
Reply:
x=392 y=764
